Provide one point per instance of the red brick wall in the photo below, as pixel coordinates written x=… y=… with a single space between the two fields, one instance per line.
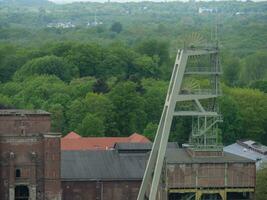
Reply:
x=211 y=175
x=52 y=178
x=107 y=190
x=241 y=174
x=32 y=124
x=31 y=165
x=35 y=151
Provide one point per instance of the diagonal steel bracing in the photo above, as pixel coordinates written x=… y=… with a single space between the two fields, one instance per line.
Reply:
x=151 y=179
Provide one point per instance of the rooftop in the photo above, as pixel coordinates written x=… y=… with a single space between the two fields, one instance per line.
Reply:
x=74 y=141
x=5 y=112
x=246 y=152
x=113 y=165
x=104 y=165
x=254 y=146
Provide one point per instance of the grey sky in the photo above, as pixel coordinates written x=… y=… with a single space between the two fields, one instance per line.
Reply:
x=69 y=1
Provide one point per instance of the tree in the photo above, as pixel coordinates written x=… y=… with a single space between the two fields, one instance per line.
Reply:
x=95 y=104
x=252 y=105
x=180 y=130
x=154 y=95
x=9 y=65
x=11 y=59
x=254 y=67
x=10 y=88
x=98 y=104
x=126 y=56
x=5 y=102
x=86 y=57
x=50 y=65
x=100 y=86
x=116 y=27
x=91 y=125
x=260 y=85
x=35 y=91
x=78 y=88
x=150 y=131
x=111 y=65
x=261 y=193
x=231 y=70
x=57 y=117
x=128 y=109
x=146 y=67
x=232 y=122
x=155 y=48
x=60 y=49
x=75 y=113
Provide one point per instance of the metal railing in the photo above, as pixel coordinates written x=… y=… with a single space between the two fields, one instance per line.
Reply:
x=203 y=69
x=201 y=91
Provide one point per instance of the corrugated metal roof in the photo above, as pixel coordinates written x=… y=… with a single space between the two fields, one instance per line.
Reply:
x=104 y=165
x=112 y=165
x=140 y=146
x=240 y=150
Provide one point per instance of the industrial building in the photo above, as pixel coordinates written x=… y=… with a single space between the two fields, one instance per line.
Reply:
x=251 y=150
x=37 y=164
x=29 y=156
x=33 y=166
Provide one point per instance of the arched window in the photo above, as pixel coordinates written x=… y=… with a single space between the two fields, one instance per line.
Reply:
x=21 y=192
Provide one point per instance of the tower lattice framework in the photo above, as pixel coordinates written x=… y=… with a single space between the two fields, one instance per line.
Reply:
x=183 y=100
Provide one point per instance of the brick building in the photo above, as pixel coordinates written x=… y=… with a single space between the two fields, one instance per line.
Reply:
x=33 y=166
x=117 y=174
x=29 y=156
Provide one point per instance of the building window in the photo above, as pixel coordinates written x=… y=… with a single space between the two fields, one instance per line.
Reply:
x=18 y=173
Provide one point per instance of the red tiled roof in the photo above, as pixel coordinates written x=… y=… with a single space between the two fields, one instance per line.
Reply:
x=72 y=135
x=73 y=141
x=138 y=138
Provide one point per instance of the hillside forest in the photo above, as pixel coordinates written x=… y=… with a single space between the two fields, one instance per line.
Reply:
x=102 y=69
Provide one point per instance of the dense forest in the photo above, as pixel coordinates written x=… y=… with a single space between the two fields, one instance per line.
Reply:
x=103 y=69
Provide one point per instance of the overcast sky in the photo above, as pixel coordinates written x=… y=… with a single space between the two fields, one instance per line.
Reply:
x=69 y=1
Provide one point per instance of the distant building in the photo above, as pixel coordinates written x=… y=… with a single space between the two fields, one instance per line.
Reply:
x=205 y=10
x=239 y=13
x=73 y=141
x=61 y=25
x=251 y=150
x=94 y=23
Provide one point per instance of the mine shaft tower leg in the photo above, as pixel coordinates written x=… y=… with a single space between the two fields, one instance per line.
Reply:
x=203 y=134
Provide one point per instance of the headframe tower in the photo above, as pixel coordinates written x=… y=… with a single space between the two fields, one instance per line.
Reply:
x=197 y=100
